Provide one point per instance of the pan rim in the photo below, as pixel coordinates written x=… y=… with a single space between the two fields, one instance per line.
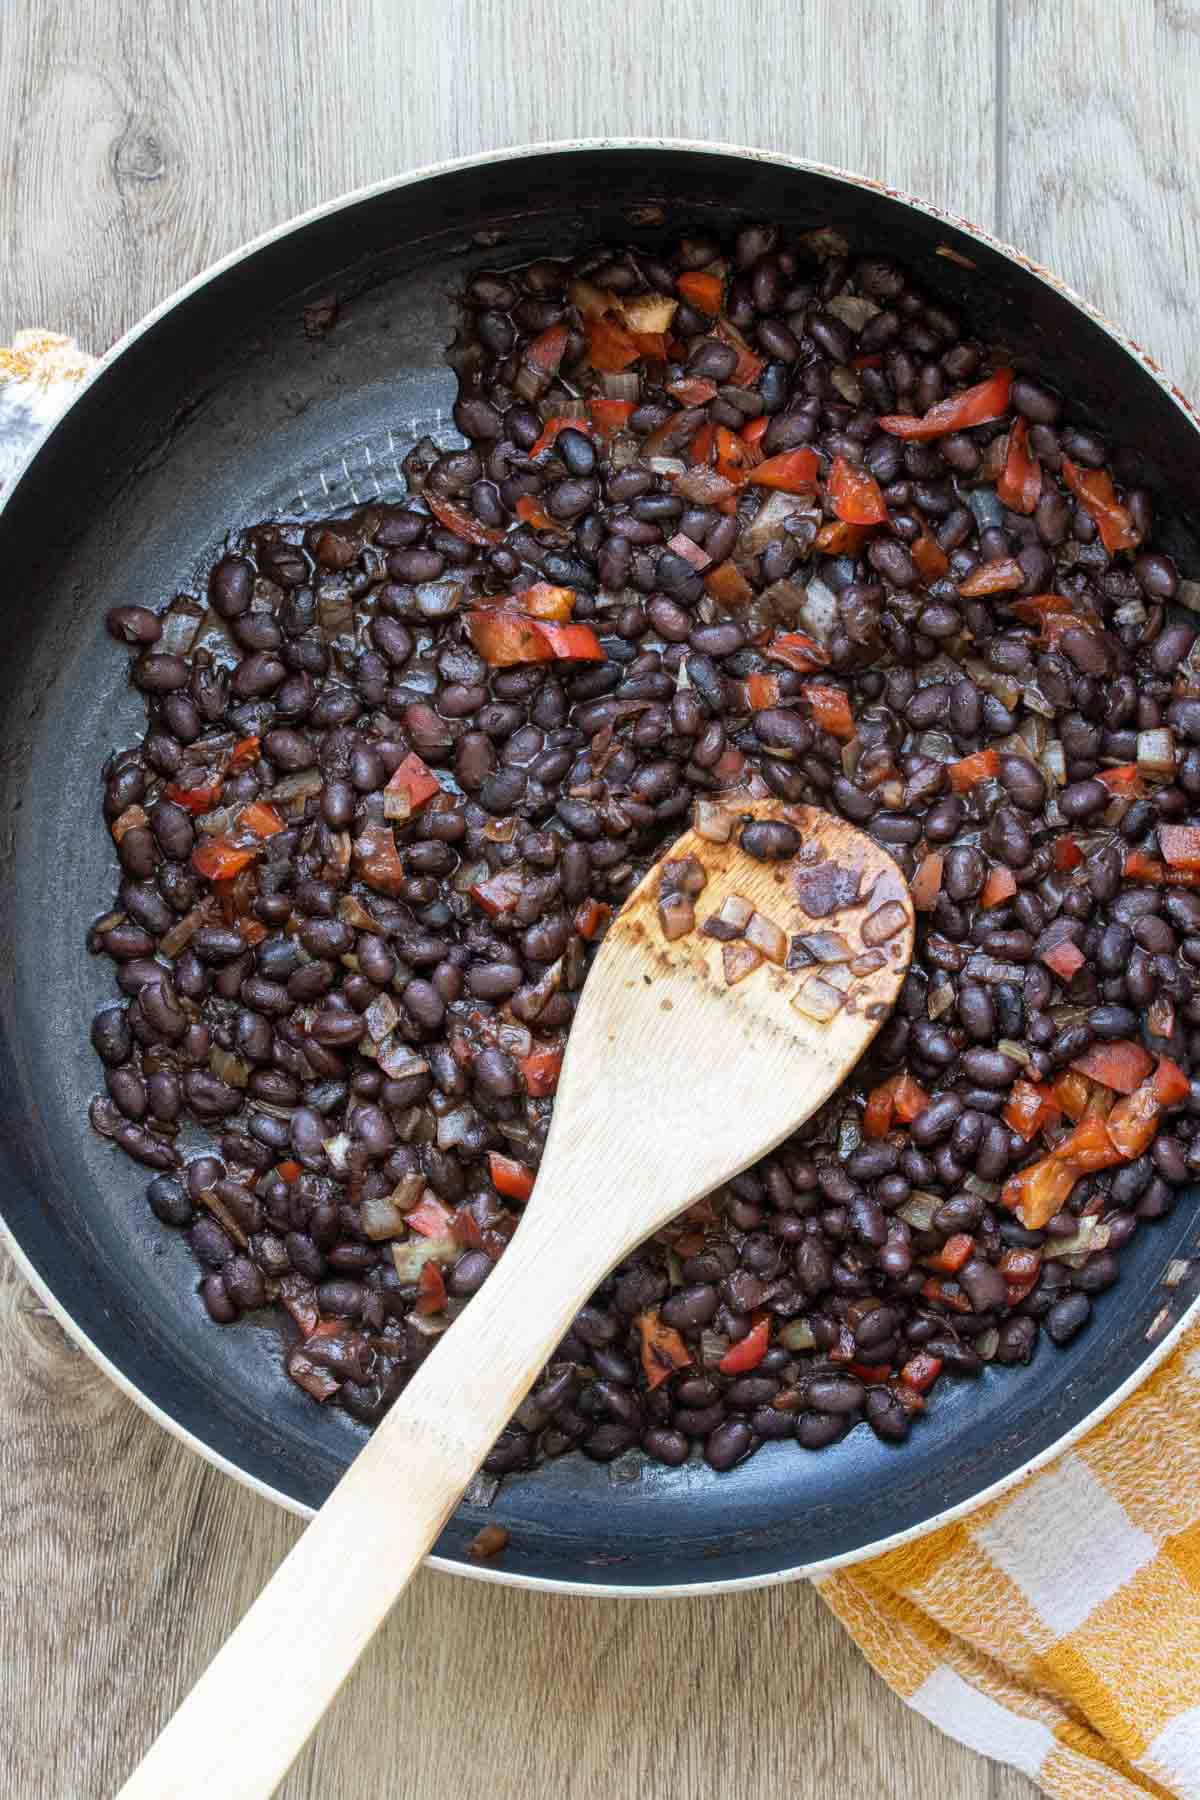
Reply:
x=393 y=184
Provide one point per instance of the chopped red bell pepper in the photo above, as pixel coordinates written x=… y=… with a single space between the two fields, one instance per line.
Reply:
x=1072 y=1093
x=1066 y=854
x=289 y=1170
x=1035 y=1194
x=610 y=347
x=837 y=538
x=260 y=819
x=1000 y=886
x=1139 y=866
x=749 y=366
x=1020 y=486
x=414 y=778
x=531 y=513
x=976 y=405
x=727 y=584
x=797 y=651
x=1089 y=1147
x=1133 y=1122
x=749 y=1351
x=511 y=1178
x=547 y=350
x=870 y=1374
x=921 y=1371
x=702 y=445
x=1065 y=959
x=505 y=638
x=733 y=458
x=663 y=1350
x=590 y=916
x=729 y=766
x=692 y=390
x=1119 y=1064
x=1094 y=490
x=217 y=859
x=792 y=472
x=854 y=494
x=541 y=1071
x=830 y=709
x=1125 y=778
x=690 y=550
x=703 y=292
x=879 y=1110
x=573 y=643
x=1003 y=575
x=546 y=603
x=946 y=1293
x=953 y=1254
x=908 y=1097
x=1180 y=845
x=429 y=1218
x=195 y=800
x=550 y=431
x=762 y=691
x=931 y=560
x=1030 y=1108
x=1020 y=1269
x=754 y=433
x=926 y=884
x=245 y=752
x=431 y=1290
x=652 y=345
x=377 y=859
x=253 y=931
x=969 y=771
x=458 y=520
x=610 y=416
x=499 y=893
x=1169 y=1082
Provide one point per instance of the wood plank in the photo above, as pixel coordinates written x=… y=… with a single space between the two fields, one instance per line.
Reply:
x=143 y=148
x=1098 y=161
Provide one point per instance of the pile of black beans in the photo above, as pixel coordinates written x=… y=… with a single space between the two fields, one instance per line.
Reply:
x=325 y=653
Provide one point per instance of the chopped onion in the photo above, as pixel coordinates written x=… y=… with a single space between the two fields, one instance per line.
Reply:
x=516 y=1039
x=399 y=1061
x=918 y=1209
x=337 y=1149
x=819 y=614
x=826 y=946
x=818 y=999
x=736 y=912
x=676 y=915
x=714 y=823
x=381 y=1017
x=1156 y=752
x=939 y=999
x=408 y=1192
x=984 y=502
x=184 y=930
x=296 y=787
x=1036 y=701
x=739 y=960
x=649 y=312
x=767 y=936
x=1053 y=763
x=335 y=614
x=381 y=1219
x=438 y=599
x=1018 y=1052
x=847 y=384
x=1133 y=615
x=625 y=387
x=987 y=1343
x=770 y=522
x=986 y=1190
x=713 y=1346
x=228 y=1068
x=535 y=999
x=797 y=1335
x=353 y=912
x=884 y=923
x=180 y=625
x=410 y=1258
x=1091 y=1235
x=1188 y=594
x=456 y=1128
x=397 y=805
x=852 y=309
x=786 y=600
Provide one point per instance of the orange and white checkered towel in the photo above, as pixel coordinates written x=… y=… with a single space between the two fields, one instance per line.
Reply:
x=1058 y=1628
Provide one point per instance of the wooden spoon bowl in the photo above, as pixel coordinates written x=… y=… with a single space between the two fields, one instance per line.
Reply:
x=690 y=1057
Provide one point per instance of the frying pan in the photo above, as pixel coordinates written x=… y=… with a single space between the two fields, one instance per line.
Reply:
x=222 y=409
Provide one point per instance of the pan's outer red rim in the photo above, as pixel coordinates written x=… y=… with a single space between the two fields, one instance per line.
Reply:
x=615 y=1590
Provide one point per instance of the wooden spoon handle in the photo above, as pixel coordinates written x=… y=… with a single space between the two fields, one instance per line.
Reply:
x=250 y=1713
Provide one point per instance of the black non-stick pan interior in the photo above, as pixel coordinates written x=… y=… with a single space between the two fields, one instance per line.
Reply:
x=223 y=411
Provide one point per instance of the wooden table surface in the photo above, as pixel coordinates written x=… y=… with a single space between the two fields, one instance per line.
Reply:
x=139 y=144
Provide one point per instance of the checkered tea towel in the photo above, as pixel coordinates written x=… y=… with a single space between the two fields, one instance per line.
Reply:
x=1058 y=1628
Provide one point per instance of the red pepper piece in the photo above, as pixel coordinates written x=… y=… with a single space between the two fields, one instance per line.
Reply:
x=1180 y=845
x=510 y=1177
x=414 y=778
x=1170 y=1083
x=541 y=1071
x=727 y=584
x=590 y=916
x=430 y=1218
x=610 y=416
x=611 y=348
x=792 y=472
x=854 y=494
x=1065 y=959
x=546 y=351
x=1020 y=486
x=1003 y=575
x=458 y=520
x=431 y=1290
x=749 y=1352
x=969 y=771
x=952 y=1255
x=1094 y=490
x=976 y=405
x=663 y=1350
x=830 y=709
x=1000 y=886
x=702 y=292
x=921 y=1371
x=931 y=560
x=796 y=650
x=217 y=859
x=1119 y=1064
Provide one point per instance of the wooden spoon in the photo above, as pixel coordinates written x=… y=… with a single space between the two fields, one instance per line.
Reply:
x=674 y=1080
